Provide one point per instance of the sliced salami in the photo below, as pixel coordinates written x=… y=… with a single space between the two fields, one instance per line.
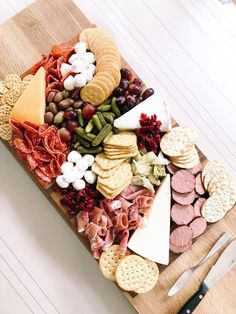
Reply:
x=182 y=215
x=183 y=181
x=199 y=187
x=172 y=168
x=196 y=169
x=184 y=198
x=181 y=236
x=179 y=249
x=198 y=206
x=198 y=225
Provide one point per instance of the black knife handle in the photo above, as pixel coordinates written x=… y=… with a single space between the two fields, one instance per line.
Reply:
x=193 y=302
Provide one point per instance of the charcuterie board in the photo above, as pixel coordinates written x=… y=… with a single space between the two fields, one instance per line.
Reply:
x=156 y=300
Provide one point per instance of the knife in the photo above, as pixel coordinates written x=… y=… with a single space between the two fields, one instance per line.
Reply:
x=181 y=281
x=225 y=263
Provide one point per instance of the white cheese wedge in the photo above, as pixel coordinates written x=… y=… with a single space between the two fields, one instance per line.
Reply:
x=155 y=104
x=152 y=241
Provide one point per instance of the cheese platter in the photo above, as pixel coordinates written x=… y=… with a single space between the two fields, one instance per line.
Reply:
x=87 y=144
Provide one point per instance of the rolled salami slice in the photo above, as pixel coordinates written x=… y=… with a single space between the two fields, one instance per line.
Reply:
x=172 y=168
x=199 y=187
x=198 y=225
x=182 y=215
x=181 y=236
x=183 y=181
x=198 y=205
x=179 y=249
x=184 y=198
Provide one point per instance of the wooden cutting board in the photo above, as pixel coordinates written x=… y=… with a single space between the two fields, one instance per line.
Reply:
x=33 y=31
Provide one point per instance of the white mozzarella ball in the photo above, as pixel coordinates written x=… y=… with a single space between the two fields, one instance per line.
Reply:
x=66 y=166
x=65 y=69
x=90 y=176
x=69 y=83
x=91 y=68
x=89 y=158
x=78 y=66
x=82 y=164
x=88 y=75
x=79 y=185
x=89 y=57
x=61 y=182
x=78 y=174
x=74 y=57
x=69 y=176
x=80 y=47
x=80 y=80
x=74 y=156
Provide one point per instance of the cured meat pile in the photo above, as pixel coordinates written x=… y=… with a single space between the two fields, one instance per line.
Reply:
x=112 y=221
x=52 y=64
x=187 y=192
x=40 y=147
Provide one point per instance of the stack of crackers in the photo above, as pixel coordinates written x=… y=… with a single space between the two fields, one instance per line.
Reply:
x=131 y=272
x=10 y=90
x=108 y=65
x=221 y=188
x=122 y=145
x=179 y=145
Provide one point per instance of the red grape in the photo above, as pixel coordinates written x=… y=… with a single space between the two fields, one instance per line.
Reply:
x=135 y=89
x=131 y=101
x=120 y=101
x=118 y=91
x=126 y=74
x=71 y=125
x=139 y=99
x=65 y=135
x=124 y=84
x=138 y=81
x=147 y=93
x=70 y=115
x=126 y=94
x=88 y=110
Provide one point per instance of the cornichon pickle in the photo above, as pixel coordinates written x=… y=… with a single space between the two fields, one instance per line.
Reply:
x=83 y=142
x=115 y=130
x=80 y=117
x=102 y=134
x=97 y=122
x=81 y=133
x=92 y=150
x=107 y=137
x=108 y=116
x=89 y=126
x=104 y=108
x=101 y=118
x=114 y=108
x=77 y=144
x=91 y=136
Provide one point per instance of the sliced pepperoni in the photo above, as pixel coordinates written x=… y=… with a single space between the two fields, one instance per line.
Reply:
x=41 y=154
x=182 y=215
x=196 y=169
x=183 y=181
x=17 y=130
x=181 y=236
x=61 y=158
x=32 y=138
x=199 y=187
x=30 y=126
x=179 y=249
x=198 y=225
x=184 y=198
x=43 y=129
x=32 y=163
x=55 y=168
x=172 y=168
x=198 y=205
x=22 y=146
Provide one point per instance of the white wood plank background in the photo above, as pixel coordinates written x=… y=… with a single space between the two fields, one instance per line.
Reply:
x=186 y=49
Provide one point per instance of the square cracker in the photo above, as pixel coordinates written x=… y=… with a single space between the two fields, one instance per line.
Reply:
x=123 y=139
x=107 y=164
x=103 y=173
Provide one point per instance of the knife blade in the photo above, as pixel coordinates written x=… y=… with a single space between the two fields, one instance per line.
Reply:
x=224 y=263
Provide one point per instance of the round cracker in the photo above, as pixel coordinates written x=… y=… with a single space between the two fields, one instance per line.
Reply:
x=150 y=279
x=186 y=165
x=3 y=88
x=215 y=208
x=131 y=272
x=10 y=97
x=219 y=176
x=5 y=111
x=177 y=141
x=109 y=83
x=5 y=131
x=208 y=165
x=92 y=93
x=109 y=260
x=11 y=80
x=28 y=78
x=211 y=173
x=102 y=84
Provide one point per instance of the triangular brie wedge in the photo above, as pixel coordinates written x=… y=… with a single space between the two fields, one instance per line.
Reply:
x=152 y=241
x=155 y=104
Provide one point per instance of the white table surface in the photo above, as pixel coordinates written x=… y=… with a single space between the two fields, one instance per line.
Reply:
x=185 y=48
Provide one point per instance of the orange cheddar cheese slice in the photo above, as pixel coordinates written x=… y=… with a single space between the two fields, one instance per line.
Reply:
x=31 y=104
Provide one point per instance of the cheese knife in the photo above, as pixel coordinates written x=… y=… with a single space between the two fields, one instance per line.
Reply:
x=181 y=281
x=225 y=263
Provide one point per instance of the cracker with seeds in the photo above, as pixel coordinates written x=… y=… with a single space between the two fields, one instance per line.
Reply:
x=5 y=131
x=107 y=164
x=150 y=279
